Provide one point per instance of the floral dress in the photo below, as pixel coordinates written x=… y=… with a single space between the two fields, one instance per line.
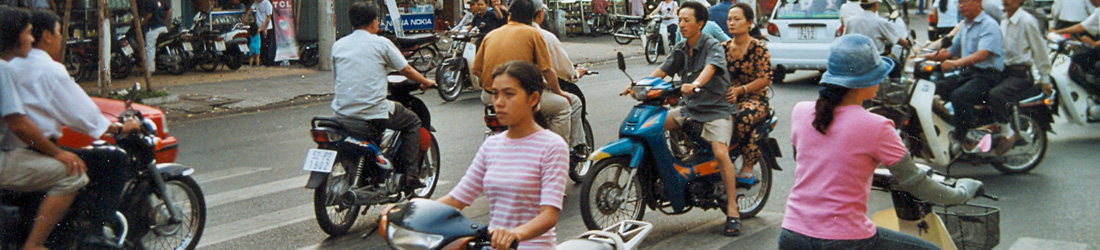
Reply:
x=753 y=107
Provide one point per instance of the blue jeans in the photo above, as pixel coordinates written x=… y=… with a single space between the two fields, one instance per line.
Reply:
x=883 y=239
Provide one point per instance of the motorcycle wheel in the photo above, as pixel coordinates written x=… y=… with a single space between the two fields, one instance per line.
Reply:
x=234 y=60
x=600 y=207
x=308 y=58
x=185 y=193
x=622 y=40
x=751 y=200
x=449 y=78
x=577 y=175
x=208 y=62
x=178 y=67
x=120 y=66
x=334 y=218
x=76 y=64
x=1024 y=162
x=429 y=171
x=651 y=51
x=424 y=59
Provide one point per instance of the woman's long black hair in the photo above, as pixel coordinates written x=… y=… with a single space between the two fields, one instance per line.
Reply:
x=530 y=79
x=830 y=97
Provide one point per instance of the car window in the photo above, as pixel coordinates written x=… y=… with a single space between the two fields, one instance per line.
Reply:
x=809 y=9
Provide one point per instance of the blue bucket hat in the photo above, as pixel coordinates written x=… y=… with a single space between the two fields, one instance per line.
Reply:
x=854 y=63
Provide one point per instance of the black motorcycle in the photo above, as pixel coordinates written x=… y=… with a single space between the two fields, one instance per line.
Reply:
x=351 y=168
x=308 y=54
x=630 y=28
x=162 y=206
x=420 y=50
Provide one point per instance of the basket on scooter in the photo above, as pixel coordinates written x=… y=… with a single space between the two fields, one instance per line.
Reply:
x=972 y=227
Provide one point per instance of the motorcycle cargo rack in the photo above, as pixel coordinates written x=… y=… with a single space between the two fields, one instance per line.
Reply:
x=972 y=227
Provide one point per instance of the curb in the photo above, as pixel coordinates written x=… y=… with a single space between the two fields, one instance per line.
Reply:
x=176 y=115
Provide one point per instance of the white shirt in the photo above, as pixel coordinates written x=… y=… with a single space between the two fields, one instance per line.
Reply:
x=1071 y=10
x=361 y=61
x=52 y=99
x=871 y=25
x=262 y=12
x=668 y=9
x=949 y=18
x=1024 y=44
x=849 y=10
x=562 y=65
x=1092 y=23
x=10 y=104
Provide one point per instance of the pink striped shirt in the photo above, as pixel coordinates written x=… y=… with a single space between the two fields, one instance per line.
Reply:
x=518 y=176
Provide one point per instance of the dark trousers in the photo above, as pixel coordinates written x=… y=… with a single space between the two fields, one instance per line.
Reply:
x=1014 y=87
x=267 y=48
x=965 y=91
x=883 y=239
x=404 y=120
x=107 y=176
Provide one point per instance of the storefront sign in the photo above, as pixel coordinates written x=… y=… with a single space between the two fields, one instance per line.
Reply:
x=286 y=43
x=411 y=22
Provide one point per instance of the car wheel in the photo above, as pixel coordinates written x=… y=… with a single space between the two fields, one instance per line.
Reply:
x=778 y=74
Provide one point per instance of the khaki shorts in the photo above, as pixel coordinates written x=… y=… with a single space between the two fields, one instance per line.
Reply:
x=719 y=130
x=24 y=170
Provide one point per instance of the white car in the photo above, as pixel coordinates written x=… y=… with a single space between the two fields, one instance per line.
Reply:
x=800 y=32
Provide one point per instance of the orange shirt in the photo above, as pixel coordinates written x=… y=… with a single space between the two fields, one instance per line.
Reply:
x=511 y=42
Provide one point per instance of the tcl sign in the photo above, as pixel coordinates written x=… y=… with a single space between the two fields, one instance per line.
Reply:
x=281 y=4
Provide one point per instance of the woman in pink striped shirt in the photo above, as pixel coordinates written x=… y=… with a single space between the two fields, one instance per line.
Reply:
x=522 y=171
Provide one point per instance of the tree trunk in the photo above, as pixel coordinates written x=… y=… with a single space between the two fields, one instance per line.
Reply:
x=65 y=28
x=104 y=49
x=141 y=43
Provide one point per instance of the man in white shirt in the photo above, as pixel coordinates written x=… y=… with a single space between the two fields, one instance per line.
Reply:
x=53 y=100
x=1090 y=26
x=1024 y=48
x=1066 y=13
x=43 y=167
x=870 y=24
x=849 y=10
x=361 y=62
x=563 y=68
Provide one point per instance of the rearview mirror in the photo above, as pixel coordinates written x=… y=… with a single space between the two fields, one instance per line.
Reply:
x=913 y=34
x=622 y=61
x=895 y=15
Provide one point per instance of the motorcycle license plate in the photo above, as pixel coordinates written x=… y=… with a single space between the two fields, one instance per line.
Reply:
x=220 y=45
x=243 y=48
x=127 y=50
x=187 y=46
x=319 y=160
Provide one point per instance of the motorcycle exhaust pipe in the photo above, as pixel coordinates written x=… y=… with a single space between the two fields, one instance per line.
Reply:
x=361 y=196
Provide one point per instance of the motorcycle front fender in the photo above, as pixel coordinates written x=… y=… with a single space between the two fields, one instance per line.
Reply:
x=174 y=170
x=623 y=147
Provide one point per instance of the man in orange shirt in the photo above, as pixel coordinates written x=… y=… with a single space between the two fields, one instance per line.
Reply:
x=518 y=40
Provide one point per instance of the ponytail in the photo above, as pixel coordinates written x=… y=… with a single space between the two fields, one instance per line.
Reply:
x=831 y=95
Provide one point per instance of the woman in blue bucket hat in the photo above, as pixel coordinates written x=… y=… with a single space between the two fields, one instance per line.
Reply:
x=838 y=145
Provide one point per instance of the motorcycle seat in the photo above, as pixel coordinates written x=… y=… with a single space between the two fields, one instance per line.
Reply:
x=415 y=39
x=362 y=129
x=631 y=18
x=585 y=244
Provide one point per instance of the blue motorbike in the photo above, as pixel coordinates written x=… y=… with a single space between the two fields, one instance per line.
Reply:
x=651 y=167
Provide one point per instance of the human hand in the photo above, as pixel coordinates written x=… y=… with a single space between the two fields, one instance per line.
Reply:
x=581 y=71
x=688 y=89
x=625 y=92
x=263 y=32
x=427 y=85
x=130 y=125
x=732 y=94
x=72 y=162
x=1047 y=88
x=503 y=238
x=968 y=186
x=563 y=95
x=949 y=65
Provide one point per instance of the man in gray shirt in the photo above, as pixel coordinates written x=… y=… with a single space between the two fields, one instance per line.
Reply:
x=868 y=23
x=362 y=60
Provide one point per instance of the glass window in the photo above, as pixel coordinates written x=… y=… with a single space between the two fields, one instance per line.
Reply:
x=809 y=9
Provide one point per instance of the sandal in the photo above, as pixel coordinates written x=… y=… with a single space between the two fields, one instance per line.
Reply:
x=746 y=179
x=733 y=226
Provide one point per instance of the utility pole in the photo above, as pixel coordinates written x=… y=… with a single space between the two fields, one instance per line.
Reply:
x=141 y=43
x=326 y=33
x=65 y=28
x=104 y=83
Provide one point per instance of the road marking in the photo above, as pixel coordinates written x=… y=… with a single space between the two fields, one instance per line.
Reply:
x=255 y=191
x=243 y=228
x=207 y=177
x=1028 y=243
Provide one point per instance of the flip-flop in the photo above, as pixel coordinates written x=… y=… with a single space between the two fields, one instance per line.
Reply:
x=733 y=226
x=751 y=180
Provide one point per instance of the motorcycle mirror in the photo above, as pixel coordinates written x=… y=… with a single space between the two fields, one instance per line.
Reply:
x=912 y=34
x=622 y=62
x=895 y=14
x=132 y=94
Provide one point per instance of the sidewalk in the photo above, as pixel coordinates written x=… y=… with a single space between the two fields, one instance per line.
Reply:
x=201 y=94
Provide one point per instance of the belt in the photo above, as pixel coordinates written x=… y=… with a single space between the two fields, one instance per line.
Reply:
x=1018 y=67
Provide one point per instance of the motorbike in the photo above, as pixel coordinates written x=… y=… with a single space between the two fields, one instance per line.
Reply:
x=454 y=72
x=123 y=58
x=951 y=227
x=655 y=41
x=308 y=54
x=431 y=225
x=639 y=170
x=162 y=205
x=1080 y=102
x=577 y=154
x=630 y=28
x=81 y=59
x=597 y=24
x=926 y=123
x=350 y=170
x=419 y=50
x=174 y=49
x=212 y=48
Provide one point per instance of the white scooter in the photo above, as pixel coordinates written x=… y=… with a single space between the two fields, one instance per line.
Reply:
x=431 y=225
x=1081 y=106
x=965 y=226
x=454 y=73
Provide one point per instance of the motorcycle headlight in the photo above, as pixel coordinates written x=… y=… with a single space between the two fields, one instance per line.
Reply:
x=639 y=92
x=405 y=239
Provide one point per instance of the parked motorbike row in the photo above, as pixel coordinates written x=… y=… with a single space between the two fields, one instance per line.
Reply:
x=178 y=50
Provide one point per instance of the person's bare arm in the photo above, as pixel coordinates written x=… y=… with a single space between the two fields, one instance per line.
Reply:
x=1075 y=29
x=703 y=78
x=658 y=73
x=451 y=201
x=551 y=78
x=414 y=75
x=28 y=132
x=973 y=58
